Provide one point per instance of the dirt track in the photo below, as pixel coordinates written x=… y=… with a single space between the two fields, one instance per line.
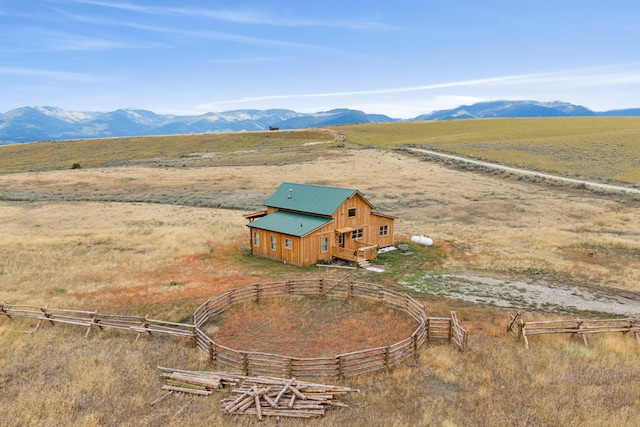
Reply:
x=587 y=184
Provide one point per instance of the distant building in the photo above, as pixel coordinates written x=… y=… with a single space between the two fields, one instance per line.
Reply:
x=304 y=224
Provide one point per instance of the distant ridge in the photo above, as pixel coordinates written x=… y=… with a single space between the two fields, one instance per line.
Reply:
x=506 y=109
x=29 y=124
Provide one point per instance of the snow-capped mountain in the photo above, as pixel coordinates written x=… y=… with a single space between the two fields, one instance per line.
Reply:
x=29 y=124
x=495 y=109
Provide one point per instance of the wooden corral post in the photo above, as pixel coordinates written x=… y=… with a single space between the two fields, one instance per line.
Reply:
x=45 y=315
x=523 y=332
x=3 y=310
x=386 y=358
x=290 y=368
x=415 y=347
x=578 y=327
x=257 y=285
x=520 y=329
x=245 y=364
x=94 y=321
x=340 y=377
x=212 y=352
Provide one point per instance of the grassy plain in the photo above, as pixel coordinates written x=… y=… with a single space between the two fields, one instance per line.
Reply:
x=145 y=233
x=602 y=149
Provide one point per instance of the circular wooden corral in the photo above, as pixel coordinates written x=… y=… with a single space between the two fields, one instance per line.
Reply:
x=337 y=367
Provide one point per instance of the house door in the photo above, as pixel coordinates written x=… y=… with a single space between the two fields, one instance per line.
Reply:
x=341 y=240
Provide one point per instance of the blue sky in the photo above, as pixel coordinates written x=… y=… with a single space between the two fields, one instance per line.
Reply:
x=400 y=58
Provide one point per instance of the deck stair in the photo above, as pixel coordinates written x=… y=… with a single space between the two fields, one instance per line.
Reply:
x=363 y=263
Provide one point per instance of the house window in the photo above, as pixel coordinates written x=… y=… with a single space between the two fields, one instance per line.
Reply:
x=384 y=230
x=356 y=234
x=288 y=243
x=325 y=244
x=273 y=243
x=352 y=212
x=256 y=238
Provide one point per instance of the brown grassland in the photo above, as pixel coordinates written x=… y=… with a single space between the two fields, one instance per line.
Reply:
x=155 y=226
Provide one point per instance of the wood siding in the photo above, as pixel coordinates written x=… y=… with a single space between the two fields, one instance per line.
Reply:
x=307 y=250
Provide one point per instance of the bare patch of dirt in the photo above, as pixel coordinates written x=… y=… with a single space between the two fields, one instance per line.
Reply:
x=520 y=295
x=311 y=327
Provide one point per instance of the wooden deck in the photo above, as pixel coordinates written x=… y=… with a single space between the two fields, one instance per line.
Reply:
x=364 y=252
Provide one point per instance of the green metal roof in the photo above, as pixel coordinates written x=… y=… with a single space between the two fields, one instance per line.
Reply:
x=315 y=199
x=291 y=223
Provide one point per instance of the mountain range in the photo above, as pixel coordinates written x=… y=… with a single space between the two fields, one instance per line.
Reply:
x=29 y=124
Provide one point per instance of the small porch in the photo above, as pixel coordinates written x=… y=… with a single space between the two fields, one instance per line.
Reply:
x=361 y=255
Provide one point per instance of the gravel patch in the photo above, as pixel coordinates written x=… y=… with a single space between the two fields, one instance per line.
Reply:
x=518 y=295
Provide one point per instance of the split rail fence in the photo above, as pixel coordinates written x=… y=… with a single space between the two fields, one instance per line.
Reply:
x=93 y=319
x=256 y=363
x=518 y=328
x=336 y=367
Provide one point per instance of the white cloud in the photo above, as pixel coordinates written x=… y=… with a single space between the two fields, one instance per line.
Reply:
x=242 y=16
x=52 y=74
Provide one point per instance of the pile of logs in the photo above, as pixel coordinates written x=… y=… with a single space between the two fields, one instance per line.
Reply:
x=196 y=382
x=259 y=396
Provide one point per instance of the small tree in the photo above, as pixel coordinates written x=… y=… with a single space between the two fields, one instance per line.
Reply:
x=76 y=166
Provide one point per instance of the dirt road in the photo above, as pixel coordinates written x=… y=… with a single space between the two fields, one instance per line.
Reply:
x=527 y=172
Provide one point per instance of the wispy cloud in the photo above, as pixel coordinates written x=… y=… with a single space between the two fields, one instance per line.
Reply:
x=52 y=74
x=199 y=34
x=387 y=91
x=242 y=16
x=218 y=35
x=585 y=77
x=61 y=41
x=243 y=60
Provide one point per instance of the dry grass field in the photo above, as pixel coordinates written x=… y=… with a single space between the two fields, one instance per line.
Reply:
x=156 y=232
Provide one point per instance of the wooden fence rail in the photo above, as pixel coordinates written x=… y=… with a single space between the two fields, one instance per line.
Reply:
x=93 y=319
x=336 y=367
x=256 y=363
x=576 y=327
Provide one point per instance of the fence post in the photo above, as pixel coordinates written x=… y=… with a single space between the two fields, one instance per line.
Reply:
x=245 y=364
x=290 y=367
x=340 y=377
x=386 y=358
x=415 y=347
x=3 y=310
x=212 y=354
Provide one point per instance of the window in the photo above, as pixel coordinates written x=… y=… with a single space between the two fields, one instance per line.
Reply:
x=341 y=240
x=273 y=243
x=384 y=230
x=325 y=244
x=356 y=234
x=288 y=243
x=352 y=212
x=256 y=238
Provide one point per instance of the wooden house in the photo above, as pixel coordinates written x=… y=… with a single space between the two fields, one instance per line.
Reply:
x=304 y=224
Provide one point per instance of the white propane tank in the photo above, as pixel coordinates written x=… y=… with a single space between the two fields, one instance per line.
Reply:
x=422 y=240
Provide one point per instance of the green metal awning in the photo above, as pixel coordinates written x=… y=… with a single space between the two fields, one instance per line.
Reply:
x=294 y=224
